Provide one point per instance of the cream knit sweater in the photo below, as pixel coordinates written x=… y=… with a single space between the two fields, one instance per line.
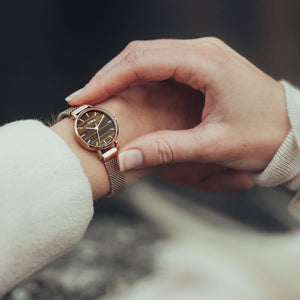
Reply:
x=46 y=200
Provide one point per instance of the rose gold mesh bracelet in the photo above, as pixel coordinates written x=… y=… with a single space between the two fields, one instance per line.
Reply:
x=116 y=177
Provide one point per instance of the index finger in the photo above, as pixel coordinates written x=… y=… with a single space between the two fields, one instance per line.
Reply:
x=189 y=65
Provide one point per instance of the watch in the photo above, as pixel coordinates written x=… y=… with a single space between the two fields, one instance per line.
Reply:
x=97 y=130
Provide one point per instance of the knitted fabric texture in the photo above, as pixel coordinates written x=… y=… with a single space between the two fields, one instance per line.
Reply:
x=46 y=200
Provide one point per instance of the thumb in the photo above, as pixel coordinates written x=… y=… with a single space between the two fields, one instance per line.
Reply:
x=165 y=147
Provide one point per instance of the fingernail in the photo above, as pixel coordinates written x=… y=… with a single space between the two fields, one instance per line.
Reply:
x=70 y=97
x=130 y=159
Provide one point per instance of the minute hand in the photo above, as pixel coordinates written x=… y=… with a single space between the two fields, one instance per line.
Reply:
x=100 y=121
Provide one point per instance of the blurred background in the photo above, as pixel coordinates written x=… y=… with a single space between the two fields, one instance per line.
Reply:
x=51 y=48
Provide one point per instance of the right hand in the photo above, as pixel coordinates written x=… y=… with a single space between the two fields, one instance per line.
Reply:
x=244 y=120
x=149 y=107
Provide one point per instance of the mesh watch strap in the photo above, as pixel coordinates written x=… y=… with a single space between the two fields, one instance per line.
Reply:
x=116 y=177
x=66 y=113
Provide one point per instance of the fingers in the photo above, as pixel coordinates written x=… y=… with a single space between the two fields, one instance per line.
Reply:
x=189 y=62
x=168 y=146
x=228 y=181
x=90 y=93
x=153 y=44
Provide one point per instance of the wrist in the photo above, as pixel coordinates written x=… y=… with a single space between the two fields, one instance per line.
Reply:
x=271 y=127
x=281 y=123
x=94 y=167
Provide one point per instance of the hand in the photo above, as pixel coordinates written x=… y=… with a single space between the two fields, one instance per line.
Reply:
x=156 y=106
x=148 y=107
x=244 y=119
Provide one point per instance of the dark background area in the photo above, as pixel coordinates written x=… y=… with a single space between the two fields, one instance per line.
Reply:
x=51 y=48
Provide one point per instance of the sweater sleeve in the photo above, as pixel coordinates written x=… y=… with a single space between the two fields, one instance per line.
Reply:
x=45 y=200
x=285 y=165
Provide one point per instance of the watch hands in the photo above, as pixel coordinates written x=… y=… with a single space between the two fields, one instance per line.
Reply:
x=94 y=128
x=98 y=137
x=100 y=121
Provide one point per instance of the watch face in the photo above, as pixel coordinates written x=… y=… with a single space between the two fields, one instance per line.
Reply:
x=96 y=128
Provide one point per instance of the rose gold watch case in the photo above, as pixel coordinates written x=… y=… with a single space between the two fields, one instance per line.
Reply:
x=84 y=144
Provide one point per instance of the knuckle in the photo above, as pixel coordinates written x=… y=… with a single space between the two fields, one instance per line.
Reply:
x=133 y=45
x=165 y=154
x=214 y=41
x=213 y=49
x=134 y=56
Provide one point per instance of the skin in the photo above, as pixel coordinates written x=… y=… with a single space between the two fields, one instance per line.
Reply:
x=141 y=109
x=244 y=119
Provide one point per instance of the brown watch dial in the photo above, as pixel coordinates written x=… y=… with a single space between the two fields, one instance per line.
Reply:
x=96 y=128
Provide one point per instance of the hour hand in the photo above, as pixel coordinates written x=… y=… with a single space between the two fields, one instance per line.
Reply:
x=94 y=128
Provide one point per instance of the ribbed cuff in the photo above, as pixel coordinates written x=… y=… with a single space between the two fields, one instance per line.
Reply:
x=285 y=165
